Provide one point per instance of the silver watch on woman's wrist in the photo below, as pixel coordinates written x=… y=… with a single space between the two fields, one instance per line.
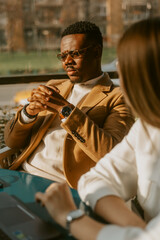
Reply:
x=73 y=215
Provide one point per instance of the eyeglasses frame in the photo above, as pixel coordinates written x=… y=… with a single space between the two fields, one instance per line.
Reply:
x=79 y=51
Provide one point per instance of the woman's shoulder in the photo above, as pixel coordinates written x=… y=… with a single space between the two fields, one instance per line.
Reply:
x=143 y=126
x=142 y=132
x=144 y=135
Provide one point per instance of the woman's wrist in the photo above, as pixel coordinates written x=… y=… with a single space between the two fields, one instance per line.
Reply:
x=85 y=226
x=73 y=216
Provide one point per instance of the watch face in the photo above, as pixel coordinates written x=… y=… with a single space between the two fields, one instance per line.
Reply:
x=66 y=111
x=75 y=214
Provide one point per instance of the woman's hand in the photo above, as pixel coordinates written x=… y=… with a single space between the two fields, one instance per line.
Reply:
x=58 y=201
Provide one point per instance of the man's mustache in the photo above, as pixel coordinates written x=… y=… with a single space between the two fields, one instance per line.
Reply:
x=71 y=68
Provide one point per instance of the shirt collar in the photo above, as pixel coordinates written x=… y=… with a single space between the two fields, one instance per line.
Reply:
x=91 y=82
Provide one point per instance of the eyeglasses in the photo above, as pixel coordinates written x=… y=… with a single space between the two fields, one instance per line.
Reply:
x=75 y=54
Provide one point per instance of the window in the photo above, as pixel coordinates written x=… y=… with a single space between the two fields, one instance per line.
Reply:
x=32 y=32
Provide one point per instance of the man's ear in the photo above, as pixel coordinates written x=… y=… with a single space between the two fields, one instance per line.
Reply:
x=98 y=51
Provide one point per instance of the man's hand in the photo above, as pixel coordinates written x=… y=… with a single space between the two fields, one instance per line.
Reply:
x=45 y=98
x=58 y=201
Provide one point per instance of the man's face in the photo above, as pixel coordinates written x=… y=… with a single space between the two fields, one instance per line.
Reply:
x=80 y=67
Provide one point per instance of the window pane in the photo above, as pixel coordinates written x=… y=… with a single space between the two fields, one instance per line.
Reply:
x=30 y=30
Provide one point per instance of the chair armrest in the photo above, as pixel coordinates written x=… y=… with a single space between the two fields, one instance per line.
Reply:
x=7 y=155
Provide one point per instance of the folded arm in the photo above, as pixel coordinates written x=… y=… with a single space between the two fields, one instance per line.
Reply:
x=101 y=126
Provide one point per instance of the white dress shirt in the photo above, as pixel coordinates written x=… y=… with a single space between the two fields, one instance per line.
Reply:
x=131 y=168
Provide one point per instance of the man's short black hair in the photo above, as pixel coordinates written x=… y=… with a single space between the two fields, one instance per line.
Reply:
x=92 y=31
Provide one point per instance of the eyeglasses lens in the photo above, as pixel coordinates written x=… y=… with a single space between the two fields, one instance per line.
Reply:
x=74 y=54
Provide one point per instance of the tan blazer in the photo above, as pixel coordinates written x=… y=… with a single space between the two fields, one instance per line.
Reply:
x=95 y=126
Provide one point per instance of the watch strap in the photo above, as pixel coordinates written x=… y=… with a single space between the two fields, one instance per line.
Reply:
x=71 y=216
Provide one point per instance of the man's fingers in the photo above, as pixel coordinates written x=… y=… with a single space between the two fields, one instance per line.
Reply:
x=55 y=89
x=34 y=91
x=36 y=99
x=52 y=186
x=40 y=198
x=49 y=90
x=45 y=91
x=35 y=105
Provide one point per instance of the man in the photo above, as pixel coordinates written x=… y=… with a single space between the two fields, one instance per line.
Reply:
x=70 y=124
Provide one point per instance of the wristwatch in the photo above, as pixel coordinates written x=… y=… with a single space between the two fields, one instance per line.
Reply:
x=66 y=111
x=73 y=215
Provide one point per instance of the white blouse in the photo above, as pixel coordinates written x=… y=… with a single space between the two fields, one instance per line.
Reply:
x=131 y=168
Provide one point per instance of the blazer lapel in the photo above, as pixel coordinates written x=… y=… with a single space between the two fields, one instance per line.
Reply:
x=65 y=88
x=97 y=94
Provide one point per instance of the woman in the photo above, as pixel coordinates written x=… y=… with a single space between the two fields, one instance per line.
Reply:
x=133 y=166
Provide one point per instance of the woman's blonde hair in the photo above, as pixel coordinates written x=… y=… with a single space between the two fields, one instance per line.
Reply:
x=139 y=62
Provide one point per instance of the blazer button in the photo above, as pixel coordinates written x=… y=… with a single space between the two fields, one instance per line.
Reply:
x=73 y=132
x=76 y=134
x=79 y=137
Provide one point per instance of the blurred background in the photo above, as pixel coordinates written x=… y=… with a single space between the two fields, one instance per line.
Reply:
x=30 y=29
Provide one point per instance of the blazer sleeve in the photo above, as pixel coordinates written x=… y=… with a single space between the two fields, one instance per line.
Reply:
x=94 y=138
x=17 y=134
